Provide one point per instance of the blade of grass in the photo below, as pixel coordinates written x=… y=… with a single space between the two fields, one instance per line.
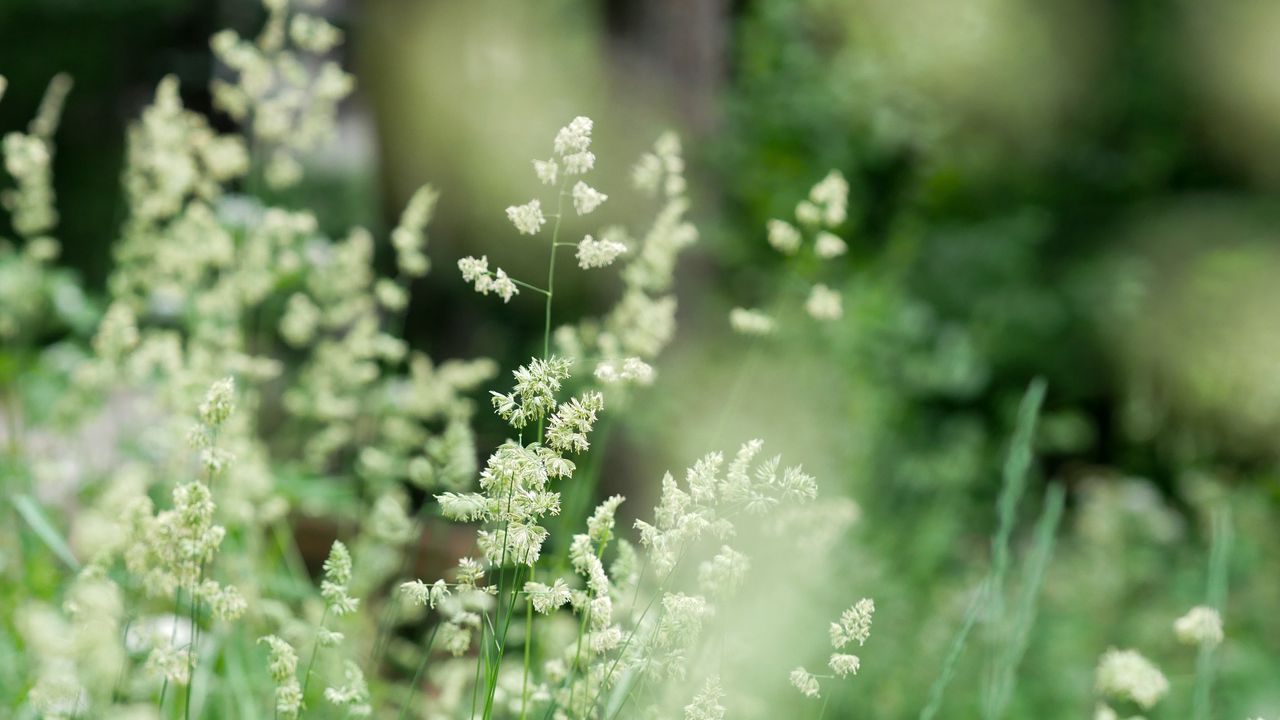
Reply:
x=1013 y=484
x=1037 y=564
x=238 y=681
x=1219 y=552
x=40 y=524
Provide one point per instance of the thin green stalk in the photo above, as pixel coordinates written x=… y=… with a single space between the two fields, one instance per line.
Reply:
x=549 y=292
x=173 y=637
x=115 y=689
x=417 y=675
x=1216 y=592
x=662 y=586
x=306 y=680
x=391 y=610
x=528 y=647
x=1033 y=579
x=493 y=666
x=551 y=282
x=289 y=551
x=195 y=641
x=939 y=687
x=582 y=628
x=527 y=286
x=475 y=685
x=1014 y=484
x=501 y=644
x=1012 y=487
x=989 y=598
x=11 y=413
x=577 y=654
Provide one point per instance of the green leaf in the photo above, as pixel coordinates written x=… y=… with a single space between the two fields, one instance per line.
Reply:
x=30 y=511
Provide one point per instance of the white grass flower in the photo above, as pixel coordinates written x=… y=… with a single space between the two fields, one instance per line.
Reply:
x=586 y=198
x=409 y=237
x=637 y=370
x=282 y=661
x=832 y=195
x=546 y=170
x=631 y=369
x=476 y=271
x=527 y=218
x=805 y=682
x=313 y=34
x=643 y=324
x=503 y=286
x=225 y=601
x=390 y=295
x=579 y=162
x=329 y=638
x=682 y=618
x=389 y=522
x=600 y=524
x=218 y=403
x=469 y=573
x=824 y=303
x=171 y=663
x=574 y=137
x=600 y=253
x=646 y=174
x=706 y=704
x=454 y=638
x=463 y=507
x=1127 y=675
x=300 y=320
x=416 y=592
x=1202 y=625
x=827 y=245
x=546 y=598
x=117 y=333
x=354 y=695
x=568 y=428
x=808 y=213
x=283 y=170
x=855 y=624
x=289 y=700
x=844 y=665
x=420 y=593
x=724 y=573
x=534 y=395
x=28 y=159
x=751 y=322
x=783 y=236
x=337 y=575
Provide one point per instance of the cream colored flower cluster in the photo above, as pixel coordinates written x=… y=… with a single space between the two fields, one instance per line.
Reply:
x=282 y=103
x=854 y=625
x=825 y=209
x=642 y=323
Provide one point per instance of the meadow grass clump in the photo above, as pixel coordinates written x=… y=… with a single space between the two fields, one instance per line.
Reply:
x=249 y=382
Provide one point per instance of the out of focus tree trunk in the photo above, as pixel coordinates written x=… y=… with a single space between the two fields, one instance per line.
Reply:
x=680 y=45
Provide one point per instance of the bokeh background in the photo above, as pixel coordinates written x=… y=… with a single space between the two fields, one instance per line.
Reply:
x=1079 y=190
